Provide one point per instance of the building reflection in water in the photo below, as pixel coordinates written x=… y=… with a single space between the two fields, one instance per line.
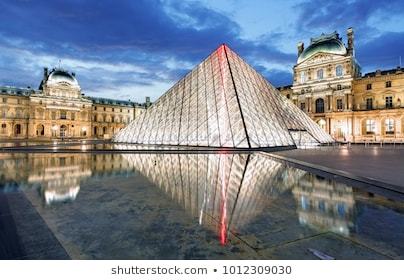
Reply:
x=58 y=176
x=324 y=204
x=222 y=191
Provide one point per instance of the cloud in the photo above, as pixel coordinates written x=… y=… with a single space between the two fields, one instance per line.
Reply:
x=382 y=52
x=134 y=48
x=330 y=14
x=112 y=45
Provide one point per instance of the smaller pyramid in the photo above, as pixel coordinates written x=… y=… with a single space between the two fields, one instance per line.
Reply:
x=223 y=102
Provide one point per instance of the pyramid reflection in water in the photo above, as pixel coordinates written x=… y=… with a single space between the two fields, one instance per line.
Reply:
x=224 y=191
x=232 y=192
x=223 y=102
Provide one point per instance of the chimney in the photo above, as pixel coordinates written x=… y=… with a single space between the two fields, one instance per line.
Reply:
x=45 y=73
x=147 y=101
x=350 y=35
x=300 y=48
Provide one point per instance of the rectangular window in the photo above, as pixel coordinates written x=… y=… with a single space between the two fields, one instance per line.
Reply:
x=73 y=116
x=369 y=103
x=369 y=86
x=62 y=115
x=339 y=104
x=4 y=99
x=105 y=109
x=389 y=101
x=302 y=77
x=370 y=126
x=388 y=84
x=303 y=106
x=3 y=128
x=53 y=115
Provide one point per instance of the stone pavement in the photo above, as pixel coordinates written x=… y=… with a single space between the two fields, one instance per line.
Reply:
x=384 y=164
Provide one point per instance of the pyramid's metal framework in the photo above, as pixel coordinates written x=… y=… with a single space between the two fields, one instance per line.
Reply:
x=223 y=102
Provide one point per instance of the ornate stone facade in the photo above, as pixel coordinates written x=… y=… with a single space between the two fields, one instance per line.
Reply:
x=59 y=109
x=329 y=87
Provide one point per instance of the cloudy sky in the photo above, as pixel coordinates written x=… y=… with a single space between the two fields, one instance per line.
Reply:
x=130 y=49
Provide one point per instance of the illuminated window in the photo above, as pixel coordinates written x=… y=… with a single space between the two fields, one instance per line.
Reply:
x=370 y=126
x=302 y=77
x=338 y=70
x=389 y=126
x=320 y=74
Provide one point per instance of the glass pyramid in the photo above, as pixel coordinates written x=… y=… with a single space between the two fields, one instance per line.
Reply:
x=223 y=102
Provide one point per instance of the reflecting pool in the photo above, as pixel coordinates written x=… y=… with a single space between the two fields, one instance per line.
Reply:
x=187 y=206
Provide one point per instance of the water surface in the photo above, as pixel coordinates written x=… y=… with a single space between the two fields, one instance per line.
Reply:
x=187 y=206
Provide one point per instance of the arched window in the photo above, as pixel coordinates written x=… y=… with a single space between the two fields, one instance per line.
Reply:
x=320 y=74
x=319 y=105
x=338 y=70
x=370 y=126
x=17 y=129
x=389 y=126
x=40 y=130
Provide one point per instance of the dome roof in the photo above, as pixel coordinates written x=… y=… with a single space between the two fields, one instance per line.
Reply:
x=325 y=43
x=59 y=75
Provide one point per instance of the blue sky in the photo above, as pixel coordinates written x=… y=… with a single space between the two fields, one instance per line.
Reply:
x=132 y=49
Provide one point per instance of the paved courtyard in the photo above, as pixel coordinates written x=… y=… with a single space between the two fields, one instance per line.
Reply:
x=384 y=164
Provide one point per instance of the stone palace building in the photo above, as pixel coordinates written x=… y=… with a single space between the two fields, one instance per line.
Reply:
x=59 y=109
x=329 y=87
